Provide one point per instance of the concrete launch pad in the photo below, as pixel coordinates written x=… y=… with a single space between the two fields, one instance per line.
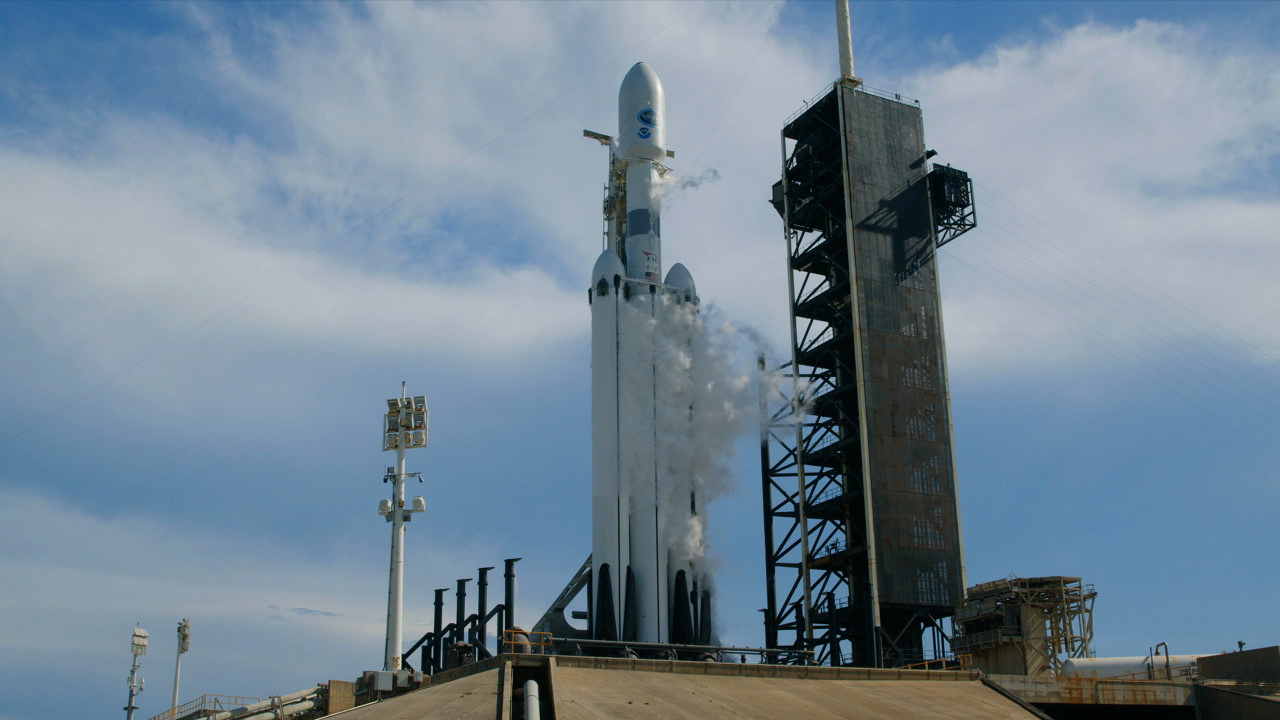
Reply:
x=581 y=688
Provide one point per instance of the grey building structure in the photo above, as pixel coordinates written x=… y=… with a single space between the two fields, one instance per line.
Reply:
x=862 y=530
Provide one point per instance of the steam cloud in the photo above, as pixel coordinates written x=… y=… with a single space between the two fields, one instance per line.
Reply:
x=671 y=185
x=701 y=370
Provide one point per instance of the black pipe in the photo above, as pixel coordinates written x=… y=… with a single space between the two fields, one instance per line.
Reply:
x=461 y=621
x=704 y=634
x=482 y=599
x=501 y=612
x=770 y=586
x=436 y=636
x=832 y=634
x=695 y=602
x=510 y=577
x=424 y=642
x=800 y=633
x=630 y=607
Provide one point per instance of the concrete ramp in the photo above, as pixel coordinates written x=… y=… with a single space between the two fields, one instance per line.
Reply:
x=581 y=688
x=588 y=689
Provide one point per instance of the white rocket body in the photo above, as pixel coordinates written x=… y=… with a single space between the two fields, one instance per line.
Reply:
x=644 y=587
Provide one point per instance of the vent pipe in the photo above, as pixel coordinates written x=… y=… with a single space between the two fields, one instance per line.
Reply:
x=437 y=642
x=461 y=621
x=510 y=601
x=482 y=600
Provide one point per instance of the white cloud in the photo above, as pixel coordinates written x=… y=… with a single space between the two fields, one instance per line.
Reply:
x=86 y=575
x=160 y=227
x=1111 y=168
x=100 y=258
x=1125 y=148
x=77 y=580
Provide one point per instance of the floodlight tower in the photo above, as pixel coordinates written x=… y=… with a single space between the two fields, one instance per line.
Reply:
x=404 y=428
x=138 y=647
x=184 y=644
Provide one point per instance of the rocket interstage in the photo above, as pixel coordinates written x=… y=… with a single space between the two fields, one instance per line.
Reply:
x=649 y=581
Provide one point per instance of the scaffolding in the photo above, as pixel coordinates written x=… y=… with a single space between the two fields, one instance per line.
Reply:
x=1026 y=626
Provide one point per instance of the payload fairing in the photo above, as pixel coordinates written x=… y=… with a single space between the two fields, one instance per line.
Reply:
x=647 y=585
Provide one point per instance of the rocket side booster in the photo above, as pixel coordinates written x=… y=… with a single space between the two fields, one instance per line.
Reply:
x=644 y=502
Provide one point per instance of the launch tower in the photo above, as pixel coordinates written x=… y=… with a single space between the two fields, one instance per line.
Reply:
x=863 y=552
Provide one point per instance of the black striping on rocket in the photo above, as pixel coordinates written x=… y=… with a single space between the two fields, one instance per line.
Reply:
x=638 y=222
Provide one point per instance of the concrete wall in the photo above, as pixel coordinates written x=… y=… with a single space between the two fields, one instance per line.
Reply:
x=1221 y=704
x=1259 y=666
x=1086 y=691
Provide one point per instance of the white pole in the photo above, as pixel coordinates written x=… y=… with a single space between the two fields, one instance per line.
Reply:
x=177 y=671
x=406 y=428
x=532 y=704
x=395 y=592
x=184 y=642
x=845 y=38
x=133 y=688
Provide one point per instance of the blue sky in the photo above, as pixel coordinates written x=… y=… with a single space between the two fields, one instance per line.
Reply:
x=228 y=232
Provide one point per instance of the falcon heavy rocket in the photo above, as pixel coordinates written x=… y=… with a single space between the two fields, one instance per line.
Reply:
x=646 y=528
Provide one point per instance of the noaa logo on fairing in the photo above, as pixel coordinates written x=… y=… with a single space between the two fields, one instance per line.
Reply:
x=647 y=117
x=644 y=133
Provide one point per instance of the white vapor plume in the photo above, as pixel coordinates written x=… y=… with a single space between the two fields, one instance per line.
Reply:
x=699 y=367
x=671 y=186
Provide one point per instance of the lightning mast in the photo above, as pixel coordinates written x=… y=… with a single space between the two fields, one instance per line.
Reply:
x=404 y=428
x=184 y=644
x=138 y=647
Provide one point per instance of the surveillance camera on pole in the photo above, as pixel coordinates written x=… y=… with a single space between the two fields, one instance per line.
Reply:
x=184 y=644
x=404 y=428
x=138 y=648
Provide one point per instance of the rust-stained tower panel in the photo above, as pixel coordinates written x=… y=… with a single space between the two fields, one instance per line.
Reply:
x=861 y=517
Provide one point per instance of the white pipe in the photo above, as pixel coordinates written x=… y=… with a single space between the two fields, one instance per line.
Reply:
x=845 y=38
x=532 y=706
x=288 y=711
x=263 y=705
x=177 y=672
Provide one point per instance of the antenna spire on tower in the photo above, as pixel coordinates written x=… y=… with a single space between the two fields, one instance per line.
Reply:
x=845 y=39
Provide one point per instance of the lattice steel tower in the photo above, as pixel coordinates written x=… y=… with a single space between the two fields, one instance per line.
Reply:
x=862 y=530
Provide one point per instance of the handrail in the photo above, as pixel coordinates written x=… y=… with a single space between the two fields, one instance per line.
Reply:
x=960 y=661
x=968 y=640
x=539 y=643
x=896 y=97
x=207 y=702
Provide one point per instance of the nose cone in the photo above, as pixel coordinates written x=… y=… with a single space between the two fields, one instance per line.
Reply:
x=608 y=267
x=642 y=115
x=679 y=277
